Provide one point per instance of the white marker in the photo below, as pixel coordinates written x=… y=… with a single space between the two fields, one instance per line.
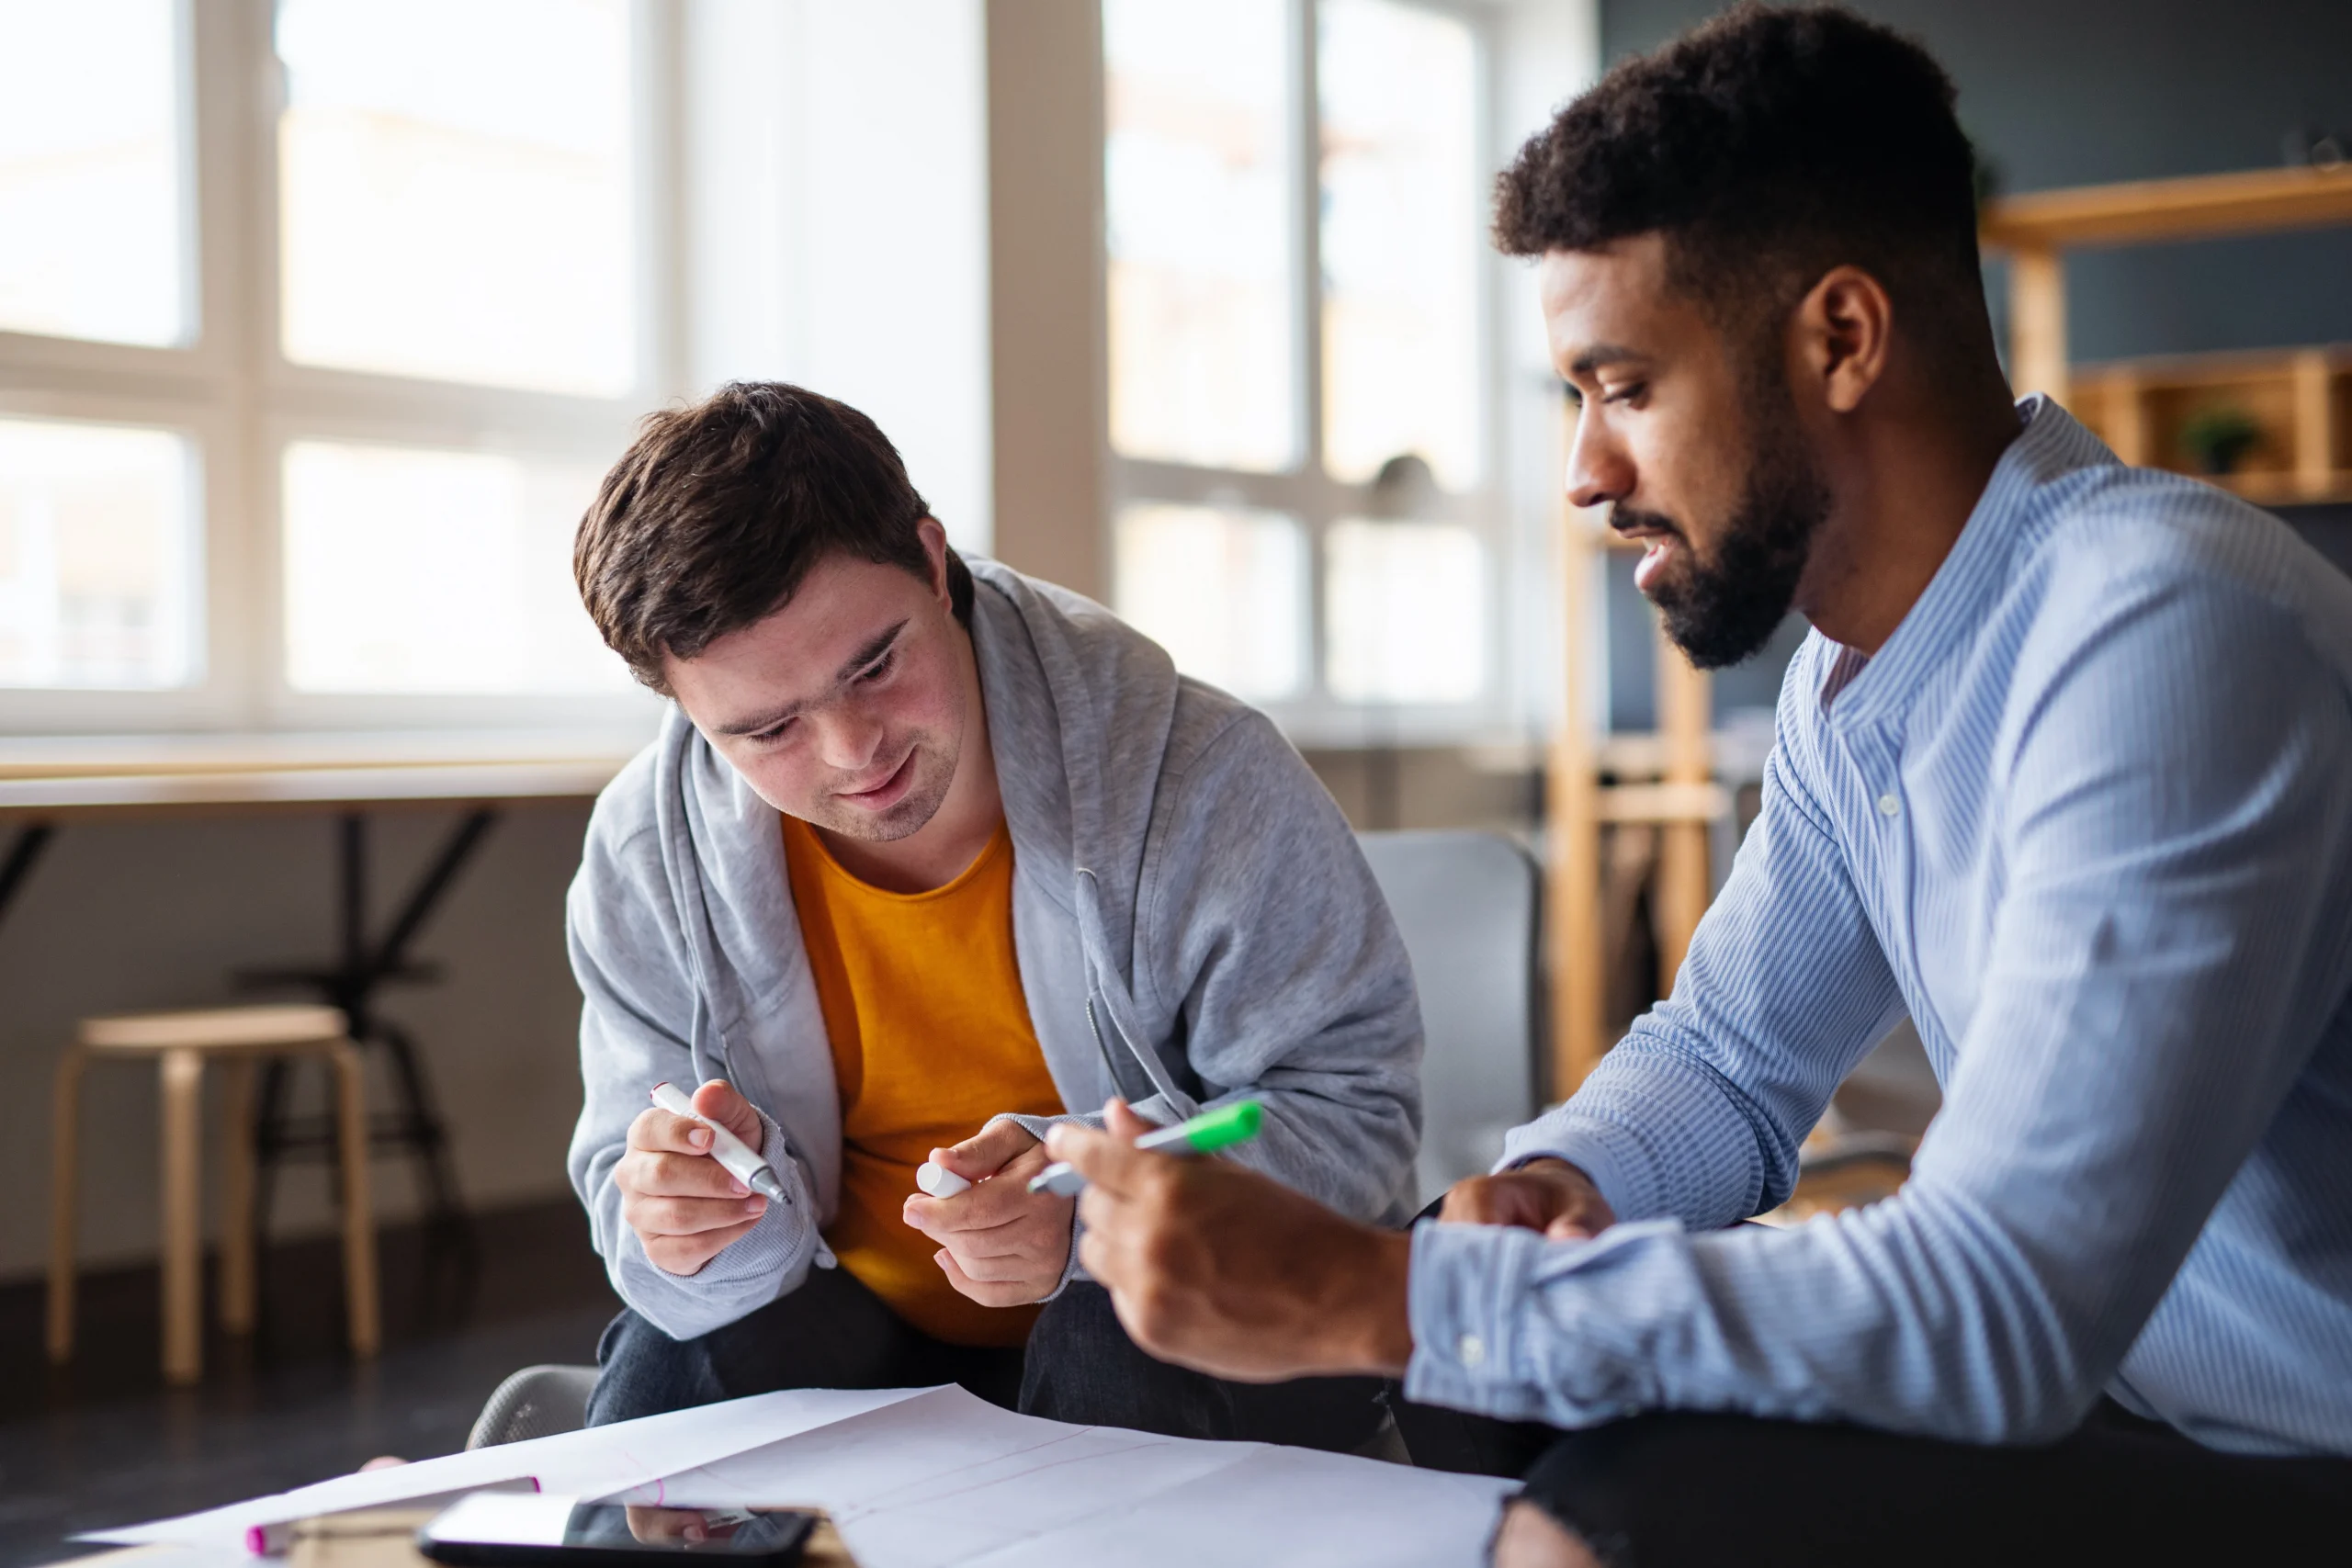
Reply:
x=739 y=1158
x=939 y=1181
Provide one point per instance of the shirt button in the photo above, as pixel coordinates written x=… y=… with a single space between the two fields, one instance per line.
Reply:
x=1888 y=806
x=1471 y=1349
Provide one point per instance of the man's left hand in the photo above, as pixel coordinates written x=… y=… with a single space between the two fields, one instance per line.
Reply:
x=1223 y=1270
x=999 y=1244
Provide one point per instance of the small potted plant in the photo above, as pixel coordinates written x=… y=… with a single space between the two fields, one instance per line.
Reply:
x=2218 y=437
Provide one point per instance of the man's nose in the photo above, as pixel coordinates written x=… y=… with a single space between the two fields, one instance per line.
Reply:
x=1599 y=471
x=852 y=737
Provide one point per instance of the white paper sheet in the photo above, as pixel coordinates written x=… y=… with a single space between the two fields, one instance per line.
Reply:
x=936 y=1478
x=596 y=1461
x=946 y=1480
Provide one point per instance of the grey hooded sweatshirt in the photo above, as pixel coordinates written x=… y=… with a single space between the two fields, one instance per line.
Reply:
x=1192 y=919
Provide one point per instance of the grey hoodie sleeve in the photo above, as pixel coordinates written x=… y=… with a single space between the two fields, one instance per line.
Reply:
x=1260 y=932
x=636 y=1019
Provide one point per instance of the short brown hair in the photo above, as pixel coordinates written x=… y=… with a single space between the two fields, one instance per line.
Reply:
x=717 y=512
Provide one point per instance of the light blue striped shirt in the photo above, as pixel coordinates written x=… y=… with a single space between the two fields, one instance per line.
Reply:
x=2087 y=816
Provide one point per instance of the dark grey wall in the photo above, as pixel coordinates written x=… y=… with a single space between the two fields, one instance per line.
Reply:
x=2082 y=92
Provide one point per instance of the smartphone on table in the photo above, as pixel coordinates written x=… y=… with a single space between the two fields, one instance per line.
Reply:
x=522 y=1530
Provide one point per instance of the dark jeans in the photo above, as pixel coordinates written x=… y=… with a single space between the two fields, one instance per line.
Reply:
x=1662 y=1491
x=1078 y=1366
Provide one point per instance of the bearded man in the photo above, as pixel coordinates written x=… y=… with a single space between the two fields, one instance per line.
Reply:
x=2063 y=771
x=927 y=856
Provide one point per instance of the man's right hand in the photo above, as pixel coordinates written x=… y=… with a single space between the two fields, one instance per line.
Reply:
x=1547 y=1195
x=684 y=1206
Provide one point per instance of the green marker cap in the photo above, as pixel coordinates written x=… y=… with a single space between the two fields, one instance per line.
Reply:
x=1221 y=1128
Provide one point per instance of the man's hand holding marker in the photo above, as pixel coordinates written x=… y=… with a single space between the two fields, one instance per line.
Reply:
x=678 y=1192
x=1205 y=1261
x=1000 y=1243
x=1002 y=1216
x=1230 y=1272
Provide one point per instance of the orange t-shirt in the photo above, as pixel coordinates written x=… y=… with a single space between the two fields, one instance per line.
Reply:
x=931 y=1037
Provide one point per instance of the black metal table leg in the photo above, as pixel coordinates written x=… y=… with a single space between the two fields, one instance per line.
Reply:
x=425 y=896
x=24 y=852
x=414 y=1123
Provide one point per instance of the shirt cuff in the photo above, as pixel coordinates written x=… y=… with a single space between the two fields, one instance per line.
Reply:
x=1464 y=1285
x=1509 y=1325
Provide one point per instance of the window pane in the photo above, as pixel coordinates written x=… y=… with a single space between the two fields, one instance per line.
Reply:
x=1197 y=190
x=1222 y=591
x=98 y=577
x=1404 y=614
x=414 y=570
x=90 y=157
x=1403 y=223
x=454 y=190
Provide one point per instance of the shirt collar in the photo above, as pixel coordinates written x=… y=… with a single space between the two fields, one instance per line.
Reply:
x=1879 y=688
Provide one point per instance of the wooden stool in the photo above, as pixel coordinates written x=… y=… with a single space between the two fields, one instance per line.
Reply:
x=182 y=1043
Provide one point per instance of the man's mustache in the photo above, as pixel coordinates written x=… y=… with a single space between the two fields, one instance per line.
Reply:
x=1625 y=520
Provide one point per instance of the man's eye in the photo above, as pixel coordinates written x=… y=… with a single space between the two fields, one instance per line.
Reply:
x=773 y=732
x=1627 y=393
x=879 y=668
x=1576 y=398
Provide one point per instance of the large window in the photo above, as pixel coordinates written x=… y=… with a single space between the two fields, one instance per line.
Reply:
x=1300 y=378
x=319 y=320
x=454 y=195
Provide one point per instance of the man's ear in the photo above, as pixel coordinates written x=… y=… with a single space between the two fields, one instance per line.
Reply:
x=1842 y=328
x=934 y=550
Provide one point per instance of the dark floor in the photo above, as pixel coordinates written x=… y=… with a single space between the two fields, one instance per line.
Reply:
x=103 y=1442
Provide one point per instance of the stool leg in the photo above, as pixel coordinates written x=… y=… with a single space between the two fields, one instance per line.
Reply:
x=65 y=1136
x=427 y=1138
x=358 y=1215
x=237 y=1197
x=183 y=1211
x=269 y=1139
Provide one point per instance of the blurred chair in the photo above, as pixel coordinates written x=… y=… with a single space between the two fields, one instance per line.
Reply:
x=183 y=1044
x=538 y=1402
x=1467 y=904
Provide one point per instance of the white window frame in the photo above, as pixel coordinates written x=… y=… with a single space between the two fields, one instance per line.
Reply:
x=234 y=394
x=1315 y=716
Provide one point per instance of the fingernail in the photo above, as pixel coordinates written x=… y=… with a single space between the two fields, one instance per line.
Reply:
x=754 y=1204
x=739 y=1190
x=699 y=1137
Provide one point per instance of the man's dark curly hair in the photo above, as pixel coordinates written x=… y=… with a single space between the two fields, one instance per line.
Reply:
x=1768 y=146
x=717 y=512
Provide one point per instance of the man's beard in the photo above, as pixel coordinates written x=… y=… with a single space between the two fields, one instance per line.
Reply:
x=1723 y=611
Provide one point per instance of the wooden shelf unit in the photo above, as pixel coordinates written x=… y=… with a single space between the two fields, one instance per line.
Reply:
x=2036 y=231
x=2302 y=400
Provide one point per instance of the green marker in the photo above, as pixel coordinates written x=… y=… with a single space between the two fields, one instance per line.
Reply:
x=1203 y=1134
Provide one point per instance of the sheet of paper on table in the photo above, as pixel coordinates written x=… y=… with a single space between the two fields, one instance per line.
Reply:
x=936 y=1478
x=946 y=1480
